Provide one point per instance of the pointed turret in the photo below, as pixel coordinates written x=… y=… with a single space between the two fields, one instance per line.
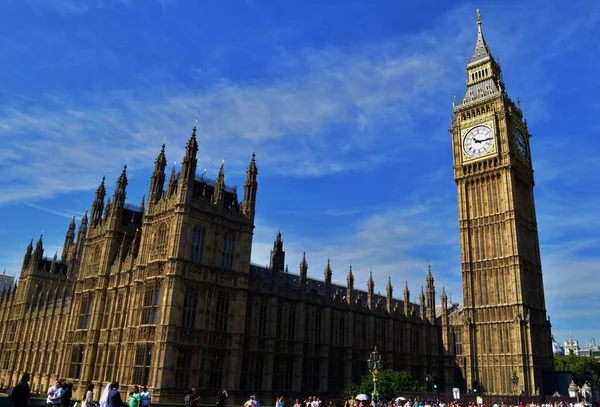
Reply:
x=28 y=252
x=108 y=208
x=38 y=253
x=69 y=241
x=350 y=287
x=277 y=255
x=484 y=77
x=219 y=192
x=328 y=273
x=188 y=165
x=444 y=298
x=430 y=296
x=389 y=290
x=250 y=187
x=303 y=273
x=53 y=266
x=157 y=180
x=406 y=299
x=120 y=191
x=370 y=287
x=98 y=205
x=422 y=304
x=172 y=183
x=81 y=234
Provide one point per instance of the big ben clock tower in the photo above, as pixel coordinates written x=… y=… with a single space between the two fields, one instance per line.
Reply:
x=506 y=331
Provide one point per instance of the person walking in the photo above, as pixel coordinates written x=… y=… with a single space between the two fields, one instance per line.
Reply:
x=55 y=395
x=222 y=397
x=88 y=399
x=67 y=395
x=114 y=397
x=145 y=397
x=21 y=394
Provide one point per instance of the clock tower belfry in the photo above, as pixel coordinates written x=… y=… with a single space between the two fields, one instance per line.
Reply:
x=506 y=330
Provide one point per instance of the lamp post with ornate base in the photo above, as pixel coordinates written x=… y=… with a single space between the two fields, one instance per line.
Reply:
x=375 y=364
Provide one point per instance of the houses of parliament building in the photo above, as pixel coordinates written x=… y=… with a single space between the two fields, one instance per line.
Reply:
x=164 y=294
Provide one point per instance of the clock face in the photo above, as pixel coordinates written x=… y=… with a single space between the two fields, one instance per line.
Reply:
x=520 y=143
x=478 y=141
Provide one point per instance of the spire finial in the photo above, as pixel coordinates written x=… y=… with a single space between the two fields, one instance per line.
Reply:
x=478 y=19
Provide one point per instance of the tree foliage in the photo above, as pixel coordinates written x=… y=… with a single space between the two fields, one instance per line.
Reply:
x=388 y=381
x=579 y=365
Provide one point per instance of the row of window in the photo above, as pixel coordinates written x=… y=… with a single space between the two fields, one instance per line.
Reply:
x=197 y=248
x=190 y=304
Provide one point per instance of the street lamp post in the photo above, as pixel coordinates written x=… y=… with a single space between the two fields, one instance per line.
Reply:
x=514 y=380
x=375 y=364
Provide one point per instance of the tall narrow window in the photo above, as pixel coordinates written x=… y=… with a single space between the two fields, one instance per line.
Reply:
x=228 y=249
x=161 y=243
x=150 y=308
x=190 y=302
x=143 y=362
x=292 y=323
x=118 y=311
x=37 y=293
x=85 y=314
x=457 y=343
x=262 y=319
x=197 y=247
x=216 y=363
x=110 y=362
x=248 y=328
x=222 y=312
x=76 y=361
x=182 y=369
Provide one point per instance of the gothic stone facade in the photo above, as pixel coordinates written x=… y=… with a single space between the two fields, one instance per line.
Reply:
x=164 y=294
x=503 y=328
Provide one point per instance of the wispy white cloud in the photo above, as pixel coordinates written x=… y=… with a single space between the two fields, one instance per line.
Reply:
x=295 y=122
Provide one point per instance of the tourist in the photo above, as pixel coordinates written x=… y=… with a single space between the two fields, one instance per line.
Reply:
x=103 y=402
x=55 y=395
x=114 y=397
x=222 y=397
x=145 y=397
x=88 y=399
x=67 y=395
x=21 y=393
x=134 y=397
x=279 y=402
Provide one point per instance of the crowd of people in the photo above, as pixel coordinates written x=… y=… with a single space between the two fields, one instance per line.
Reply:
x=60 y=395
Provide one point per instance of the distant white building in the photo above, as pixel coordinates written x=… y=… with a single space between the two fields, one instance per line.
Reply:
x=571 y=347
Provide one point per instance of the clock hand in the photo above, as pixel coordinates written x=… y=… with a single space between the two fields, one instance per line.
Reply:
x=482 y=140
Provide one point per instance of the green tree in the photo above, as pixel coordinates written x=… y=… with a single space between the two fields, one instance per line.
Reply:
x=579 y=365
x=388 y=381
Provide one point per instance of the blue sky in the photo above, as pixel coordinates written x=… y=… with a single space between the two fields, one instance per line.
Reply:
x=347 y=104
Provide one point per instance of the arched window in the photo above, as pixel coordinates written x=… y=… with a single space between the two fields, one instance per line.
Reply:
x=227 y=251
x=161 y=241
x=197 y=246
